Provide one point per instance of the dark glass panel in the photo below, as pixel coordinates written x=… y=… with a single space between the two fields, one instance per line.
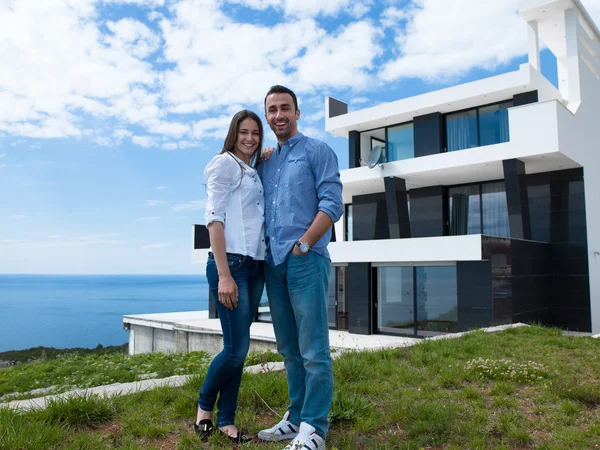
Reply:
x=464 y=210
x=437 y=310
x=493 y=123
x=494 y=209
x=539 y=211
x=395 y=312
x=401 y=142
x=332 y=298
x=461 y=130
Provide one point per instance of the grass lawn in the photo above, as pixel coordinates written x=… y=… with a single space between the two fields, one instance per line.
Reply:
x=528 y=387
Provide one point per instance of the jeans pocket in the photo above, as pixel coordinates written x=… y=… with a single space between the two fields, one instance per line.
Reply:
x=234 y=261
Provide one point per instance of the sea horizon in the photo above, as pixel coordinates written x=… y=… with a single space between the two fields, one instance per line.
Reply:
x=85 y=310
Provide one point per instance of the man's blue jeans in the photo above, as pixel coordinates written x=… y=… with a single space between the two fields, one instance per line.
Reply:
x=297 y=291
x=225 y=372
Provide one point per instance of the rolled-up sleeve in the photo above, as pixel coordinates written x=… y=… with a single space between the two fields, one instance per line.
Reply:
x=328 y=183
x=218 y=175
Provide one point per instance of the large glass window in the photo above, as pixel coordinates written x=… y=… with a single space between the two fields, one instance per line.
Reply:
x=494 y=209
x=477 y=127
x=436 y=295
x=478 y=208
x=493 y=123
x=395 y=312
x=465 y=210
x=400 y=142
x=417 y=300
x=461 y=130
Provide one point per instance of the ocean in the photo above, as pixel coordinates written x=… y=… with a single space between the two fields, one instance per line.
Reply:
x=65 y=311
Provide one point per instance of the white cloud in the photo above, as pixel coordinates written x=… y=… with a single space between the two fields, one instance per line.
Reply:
x=83 y=69
x=170 y=146
x=315 y=117
x=340 y=61
x=360 y=100
x=173 y=129
x=146 y=3
x=161 y=188
x=148 y=219
x=154 y=203
x=195 y=205
x=392 y=16
x=359 y=9
x=157 y=246
x=444 y=39
x=313 y=132
x=144 y=141
x=216 y=127
x=154 y=16
x=104 y=239
x=302 y=7
x=133 y=37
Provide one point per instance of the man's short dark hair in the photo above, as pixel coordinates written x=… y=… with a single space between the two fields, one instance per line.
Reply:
x=278 y=89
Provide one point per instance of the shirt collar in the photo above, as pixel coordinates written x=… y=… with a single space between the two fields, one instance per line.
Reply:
x=291 y=141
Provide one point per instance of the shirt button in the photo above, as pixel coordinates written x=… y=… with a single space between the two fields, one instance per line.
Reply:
x=273 y=202
x=278 y=170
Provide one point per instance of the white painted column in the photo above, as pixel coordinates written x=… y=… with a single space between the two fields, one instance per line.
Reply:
x=568 y=65
x=592 y=210
x=534 y=45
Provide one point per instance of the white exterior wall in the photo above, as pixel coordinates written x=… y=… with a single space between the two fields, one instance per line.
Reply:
x=579 y=137
x=416 y=250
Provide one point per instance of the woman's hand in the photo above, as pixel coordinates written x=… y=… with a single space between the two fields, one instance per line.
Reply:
x=266 y=153
x=228 y=292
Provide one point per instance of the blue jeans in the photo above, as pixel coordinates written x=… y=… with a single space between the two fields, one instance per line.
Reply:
x=297 y=291
x=225 y=371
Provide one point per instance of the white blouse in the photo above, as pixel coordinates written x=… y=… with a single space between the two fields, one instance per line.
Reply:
x=235 y=198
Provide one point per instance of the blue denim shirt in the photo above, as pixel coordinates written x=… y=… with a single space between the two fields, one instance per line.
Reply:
x=300 y=179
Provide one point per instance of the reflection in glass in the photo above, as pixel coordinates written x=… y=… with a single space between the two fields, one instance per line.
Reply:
x=465 y=210
x=349 y=233
x=395 y=312
x=436 y=295
x=494 y=209
x=400 y=142
x=461 y=129
x=493 y=123
x=332 y=297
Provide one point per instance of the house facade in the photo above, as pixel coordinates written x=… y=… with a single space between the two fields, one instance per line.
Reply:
x=481 y=207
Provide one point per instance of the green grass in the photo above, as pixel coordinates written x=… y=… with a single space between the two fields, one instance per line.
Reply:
x=71 y=370
x=522 y=388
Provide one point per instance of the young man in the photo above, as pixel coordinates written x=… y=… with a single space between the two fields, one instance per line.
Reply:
x=303 y=198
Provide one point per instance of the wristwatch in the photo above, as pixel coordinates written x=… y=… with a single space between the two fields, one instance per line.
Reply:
x=303 y=246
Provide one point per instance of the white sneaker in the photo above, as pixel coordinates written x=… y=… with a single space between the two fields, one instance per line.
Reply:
x=280 y=432
x=307 y=439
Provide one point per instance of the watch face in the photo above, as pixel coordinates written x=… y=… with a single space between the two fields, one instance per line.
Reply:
x=304 y=247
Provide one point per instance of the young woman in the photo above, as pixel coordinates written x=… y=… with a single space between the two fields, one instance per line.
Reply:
x=234 y=217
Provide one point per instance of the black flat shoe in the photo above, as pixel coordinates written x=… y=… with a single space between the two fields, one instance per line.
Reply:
x=204 y=429
x=237 y=439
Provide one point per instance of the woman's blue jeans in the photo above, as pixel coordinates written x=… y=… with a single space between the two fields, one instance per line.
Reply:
x=225 y=372
x=297 y=291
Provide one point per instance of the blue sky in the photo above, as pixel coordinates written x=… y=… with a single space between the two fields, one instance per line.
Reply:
x=109 y=110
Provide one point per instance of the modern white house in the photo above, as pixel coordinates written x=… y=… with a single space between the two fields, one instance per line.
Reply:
x=479 y=206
